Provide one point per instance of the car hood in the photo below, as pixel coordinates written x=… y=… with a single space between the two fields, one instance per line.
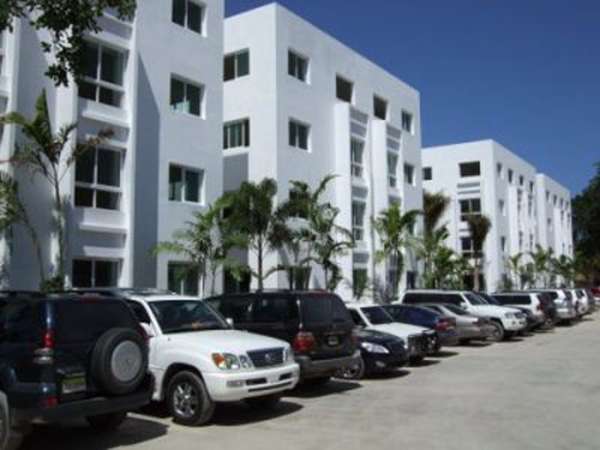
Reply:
x=398 y=329
x=492 y=310
x=225 y=341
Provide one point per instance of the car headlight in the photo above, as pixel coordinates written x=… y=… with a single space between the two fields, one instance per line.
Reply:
x=246 y=362
x=288 y=354
x=226 y=361
x=510 y=315
x=374 y=348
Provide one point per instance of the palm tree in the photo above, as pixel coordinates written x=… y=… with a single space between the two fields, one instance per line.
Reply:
x=564 y=267
x=479 y=228
x=393 y=228
x=12 y=212
x=51 y=156
x=433 y=238
x=254 y=217
x=434 y=206
x=541 y=264
x=428 y=248
x=513 y=264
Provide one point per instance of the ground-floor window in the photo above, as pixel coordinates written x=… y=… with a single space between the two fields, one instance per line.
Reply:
x=183 y=279
x=231 y=285
x=360 y=281
x=95 y=273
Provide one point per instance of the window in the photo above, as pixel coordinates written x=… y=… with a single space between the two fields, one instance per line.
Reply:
x=188 y=14
x=468 y=249
x=531 y=185
x=427 y=173
x=360 y=279
x=503 y=244
x=98 y=179
x=299 y=135
x=521 y=180
x=470 y=169
x=356 y=157
x=344 y=89
x=236 y=65
x=186 y=97
x=380 y=108
x=298 y=66
x=236 y=134
x=510 y=176
x=358 y=219
x=547 y=196
x=520 y=240
x=233 y=284
x=407 y=121
x=185 y=185
x=499 y=170
x=469 y=207
x=140 y=311
x=183 y=279
x=95 y=273
x=103 y=74
x=409 y=174
x=502 y=207
x=392 y=160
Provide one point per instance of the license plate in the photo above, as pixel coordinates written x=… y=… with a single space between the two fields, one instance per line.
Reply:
x=333 y=340
x=73 y=384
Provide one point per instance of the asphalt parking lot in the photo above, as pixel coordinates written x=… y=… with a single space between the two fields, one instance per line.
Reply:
x=541 y=392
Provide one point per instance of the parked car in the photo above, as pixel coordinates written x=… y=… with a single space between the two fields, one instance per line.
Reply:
x=468 y=326
x=548 y=307
x=199 y=360
x=316 y=324
x=563 y=300
x=596 y=292
x=579 y=302
x=507 y=321
x=591 y=300
x=444 y=326
x=380 y=352
x=528 y=302
x=419 y=340
x=584 y=301
x=66 y=357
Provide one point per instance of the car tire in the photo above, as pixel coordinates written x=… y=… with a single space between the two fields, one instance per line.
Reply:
x=498 y=333
x=107 y=422
x=10 y=437
x=466 y=341
x=119 y=361
x=265 y=402
x=356 y=372
x=188 y=400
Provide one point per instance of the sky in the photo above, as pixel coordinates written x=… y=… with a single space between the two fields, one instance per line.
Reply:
x=525 y=73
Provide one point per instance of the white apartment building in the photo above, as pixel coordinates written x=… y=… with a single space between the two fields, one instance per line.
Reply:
x=157 y=83
x=524 y=207
x=299 y=105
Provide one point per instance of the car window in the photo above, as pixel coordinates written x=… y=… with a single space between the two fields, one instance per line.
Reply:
x=456 y=310
x=377 y=315
x=413 y=297
x=274 y=310
x=139 y=311
x=323 y=308
x=357 y=319
x=236 y=308
x=87 y=320
x=474 y=299
x=20 y=322
x=453 y=299
x=180 y=316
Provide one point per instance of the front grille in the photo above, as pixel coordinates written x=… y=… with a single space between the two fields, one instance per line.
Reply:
x=396 y=347
x=416 y=344
x=267 y=358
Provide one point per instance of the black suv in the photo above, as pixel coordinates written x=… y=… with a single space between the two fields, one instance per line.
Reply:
x=71 y=356
x=316 y=324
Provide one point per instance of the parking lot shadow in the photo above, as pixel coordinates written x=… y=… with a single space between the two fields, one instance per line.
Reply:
x=335 y=386
x=476 y=344
x=235 y=414
x=425 y=363
x=445 y=354
x=390 y=375
x=77 y=436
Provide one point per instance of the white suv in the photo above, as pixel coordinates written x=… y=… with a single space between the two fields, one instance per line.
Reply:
x=507 y=321
x=197 y=359
x=418 y=340
x=524 y=301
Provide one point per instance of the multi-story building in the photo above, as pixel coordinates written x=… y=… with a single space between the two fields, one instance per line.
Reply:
x=156 y=82
x=299 y=105
x=484 y=177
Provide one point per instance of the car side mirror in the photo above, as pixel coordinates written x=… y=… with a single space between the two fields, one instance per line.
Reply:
x=148 y=330
x=229 y=321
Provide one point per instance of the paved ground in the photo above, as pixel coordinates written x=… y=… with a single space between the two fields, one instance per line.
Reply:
x=539 y=393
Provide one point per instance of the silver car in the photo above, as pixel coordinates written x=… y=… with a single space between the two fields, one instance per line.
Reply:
x=468 y=327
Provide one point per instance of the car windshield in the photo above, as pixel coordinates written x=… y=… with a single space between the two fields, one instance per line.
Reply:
x=474 y=299
x=456 y=310
x=377 y=315
x=180 y=316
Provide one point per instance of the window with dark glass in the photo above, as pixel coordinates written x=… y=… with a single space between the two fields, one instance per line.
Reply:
x=427 y=173
x=344 y=89
x=470 y=169
x=95 y=273
x=185 y=185
x=297 y=66
x=407 y=121
x=236 y=134
x=299 y=135
x=186 y=97
x=98 y=179
x=469 y=207
x=183 y=279
x=380 y=108
x=103 y=69
x=188 y=14
x=236 y=65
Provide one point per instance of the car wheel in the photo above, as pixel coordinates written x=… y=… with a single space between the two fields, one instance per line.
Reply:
x=107 y=422
x=188 y=400
x=266 y=402
x=498 y=332
x=355 y=372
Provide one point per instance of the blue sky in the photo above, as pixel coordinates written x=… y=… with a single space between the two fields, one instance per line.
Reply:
x=523 y=72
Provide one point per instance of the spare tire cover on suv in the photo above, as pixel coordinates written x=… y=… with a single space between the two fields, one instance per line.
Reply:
x=119 y=361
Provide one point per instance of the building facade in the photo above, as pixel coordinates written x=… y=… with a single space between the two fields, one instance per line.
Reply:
x=162 y=163
x=299 y=105
x=523 y=206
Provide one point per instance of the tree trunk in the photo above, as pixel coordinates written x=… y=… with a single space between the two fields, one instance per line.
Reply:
x=60 y=230
x=260 y=263
x=476 y=271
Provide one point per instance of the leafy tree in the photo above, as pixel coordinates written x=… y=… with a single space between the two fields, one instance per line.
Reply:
x=13 y=212
x=434 y=206
x=541 y=260
x=479 y=228
x=51 y=156
x=434 y=237
x=431 y=248
x=563 y=267
x=515 y=269
x=393 y=228
x=259 y=223
x=67 y=22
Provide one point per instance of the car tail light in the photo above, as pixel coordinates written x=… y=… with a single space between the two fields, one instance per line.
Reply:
x=49 y=402
x=444 y=325
x=303 y=342
x=45 y=355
